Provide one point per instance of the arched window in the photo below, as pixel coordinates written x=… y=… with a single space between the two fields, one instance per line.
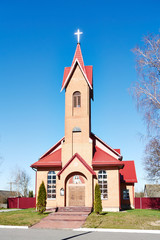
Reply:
x=51 y=185
x=77 y=99
x=102 y=181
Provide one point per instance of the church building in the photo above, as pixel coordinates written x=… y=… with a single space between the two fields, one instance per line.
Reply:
x=72 y=167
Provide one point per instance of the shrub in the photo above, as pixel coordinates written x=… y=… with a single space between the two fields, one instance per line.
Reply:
x=97 y=199
x=42 y=195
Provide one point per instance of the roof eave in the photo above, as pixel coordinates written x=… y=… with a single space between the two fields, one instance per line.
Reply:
x=96 y=164
x=46 y=165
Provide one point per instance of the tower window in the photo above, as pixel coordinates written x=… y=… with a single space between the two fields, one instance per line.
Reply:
x=77 y=99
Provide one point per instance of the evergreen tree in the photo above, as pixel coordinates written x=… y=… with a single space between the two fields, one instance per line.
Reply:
x=42 y=196
x=97 y=199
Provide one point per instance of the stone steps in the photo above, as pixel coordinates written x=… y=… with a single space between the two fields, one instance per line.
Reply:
x=75 y=209
x=65 y=218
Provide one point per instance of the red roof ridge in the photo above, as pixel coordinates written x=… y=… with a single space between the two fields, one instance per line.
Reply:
x=81 y=160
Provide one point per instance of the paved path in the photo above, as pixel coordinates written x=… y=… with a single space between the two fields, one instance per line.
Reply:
x=10 y=210
x=48 y=234
x=63 y=220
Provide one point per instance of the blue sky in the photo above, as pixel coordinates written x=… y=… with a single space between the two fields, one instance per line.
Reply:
x=36 y=42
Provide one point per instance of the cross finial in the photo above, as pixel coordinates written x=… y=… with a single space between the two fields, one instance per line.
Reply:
x=78 y=33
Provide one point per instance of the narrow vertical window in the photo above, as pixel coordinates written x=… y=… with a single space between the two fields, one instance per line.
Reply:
x=102 y=181
x=51 y=185
x=77 y=99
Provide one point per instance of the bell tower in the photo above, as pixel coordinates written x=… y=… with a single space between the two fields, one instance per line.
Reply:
x=77 y=82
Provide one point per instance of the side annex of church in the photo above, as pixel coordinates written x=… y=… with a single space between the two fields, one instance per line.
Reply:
x=73 y=166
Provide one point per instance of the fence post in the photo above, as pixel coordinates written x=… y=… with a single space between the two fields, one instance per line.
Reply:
x=140 y=203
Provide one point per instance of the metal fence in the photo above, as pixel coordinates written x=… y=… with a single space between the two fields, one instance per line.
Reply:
x=22 y=203
x=147 y=203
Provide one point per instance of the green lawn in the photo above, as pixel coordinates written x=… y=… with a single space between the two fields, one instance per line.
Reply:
x=26 y=217
x=130 y=219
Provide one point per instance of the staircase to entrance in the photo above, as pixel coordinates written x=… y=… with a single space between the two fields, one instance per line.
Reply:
x=65 y=217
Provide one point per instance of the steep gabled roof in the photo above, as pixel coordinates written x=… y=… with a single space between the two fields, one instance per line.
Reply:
x=53 y=148
x=116 y=152
x=51 y=160
x=128 y=173
x=102 y=158
x=76 y=155
x=86 y=70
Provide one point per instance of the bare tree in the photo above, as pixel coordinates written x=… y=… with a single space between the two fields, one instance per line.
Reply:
x=146 y=92
x=152 y=159
x=147 y=89
x=21 y=180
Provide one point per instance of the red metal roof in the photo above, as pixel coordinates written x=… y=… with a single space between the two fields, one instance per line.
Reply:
x=79 y=57
x=128 y=173
x=118 y=150
x=52 y=148
x=87 y=70
x=51 y=160
x=76 y=155
x=94 y=137
x=103 y=158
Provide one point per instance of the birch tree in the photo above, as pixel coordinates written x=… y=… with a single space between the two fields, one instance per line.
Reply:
x=21 y=180
x=146 y=92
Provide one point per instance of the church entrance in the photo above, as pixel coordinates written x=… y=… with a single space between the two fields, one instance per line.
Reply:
x=76 y=190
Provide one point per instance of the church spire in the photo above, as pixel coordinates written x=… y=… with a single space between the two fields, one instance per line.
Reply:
x=77 y=59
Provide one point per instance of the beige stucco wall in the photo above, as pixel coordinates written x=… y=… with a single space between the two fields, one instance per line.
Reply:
x=42 y=176
x=113 y=202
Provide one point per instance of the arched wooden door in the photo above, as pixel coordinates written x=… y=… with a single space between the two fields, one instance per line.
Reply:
x=76 y=190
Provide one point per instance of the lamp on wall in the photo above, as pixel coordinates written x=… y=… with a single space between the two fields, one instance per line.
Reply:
x=62 y=191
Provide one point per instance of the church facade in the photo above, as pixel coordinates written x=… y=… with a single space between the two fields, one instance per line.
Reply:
x=73 y=166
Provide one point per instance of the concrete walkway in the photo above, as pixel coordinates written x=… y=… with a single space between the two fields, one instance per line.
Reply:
x=10 y=210
x=66 y=218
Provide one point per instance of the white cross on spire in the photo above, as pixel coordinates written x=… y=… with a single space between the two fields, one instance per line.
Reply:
x=78 y=33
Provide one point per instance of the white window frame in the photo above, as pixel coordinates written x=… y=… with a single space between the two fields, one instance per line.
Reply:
x=103 y=183
x=51 y=185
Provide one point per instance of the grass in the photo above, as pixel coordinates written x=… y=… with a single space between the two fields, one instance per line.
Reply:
x=130 y=219
x=26 y=217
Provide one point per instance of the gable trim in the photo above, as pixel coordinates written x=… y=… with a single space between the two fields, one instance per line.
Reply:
x=81 y=160
x=72 y=68
x=106 y=145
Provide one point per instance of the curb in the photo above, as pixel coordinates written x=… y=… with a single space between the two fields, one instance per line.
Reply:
x=117 y=230
x=13 y=227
